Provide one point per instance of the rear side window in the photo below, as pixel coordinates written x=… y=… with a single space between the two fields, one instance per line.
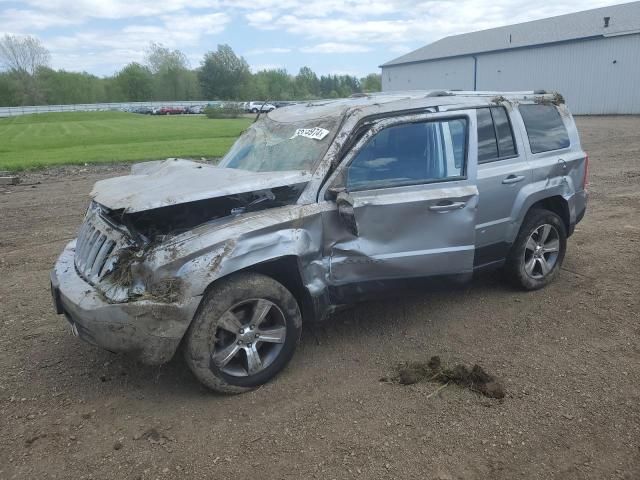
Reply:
x=544 y=126
x=487 y=145
x=506 y=146
x=495 y=138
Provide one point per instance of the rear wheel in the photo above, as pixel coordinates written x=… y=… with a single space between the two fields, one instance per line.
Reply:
x=244 y=334
x=537 y=254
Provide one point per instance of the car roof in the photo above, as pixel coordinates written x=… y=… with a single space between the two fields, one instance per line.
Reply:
x=372 y=103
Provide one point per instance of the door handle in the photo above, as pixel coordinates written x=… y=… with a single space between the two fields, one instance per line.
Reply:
x=513 y=179
x=447 y=206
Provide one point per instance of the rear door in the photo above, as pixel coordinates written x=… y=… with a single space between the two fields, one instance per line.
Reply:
x=412 y=197
x=503 y=172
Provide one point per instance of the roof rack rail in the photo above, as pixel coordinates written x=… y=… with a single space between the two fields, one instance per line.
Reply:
x=540 y=92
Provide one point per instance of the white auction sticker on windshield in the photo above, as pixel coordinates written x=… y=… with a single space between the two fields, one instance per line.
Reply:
x=316 y=133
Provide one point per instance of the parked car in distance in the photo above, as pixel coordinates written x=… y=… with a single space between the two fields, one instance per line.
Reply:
x=317 y=206
x=170 y=110
x=255 y=107
x=194 y=109
x=142 y=110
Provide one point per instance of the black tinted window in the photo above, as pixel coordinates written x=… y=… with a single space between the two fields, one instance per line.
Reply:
x=487 y=145
x=494 y=124
x=506 y=146
x=544 y=128
x=411 y=153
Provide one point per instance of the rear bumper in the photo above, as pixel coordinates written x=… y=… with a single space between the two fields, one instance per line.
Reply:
x=151 y=330
x=579 y=208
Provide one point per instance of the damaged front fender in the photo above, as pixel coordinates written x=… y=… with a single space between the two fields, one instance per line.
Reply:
x=205 y=255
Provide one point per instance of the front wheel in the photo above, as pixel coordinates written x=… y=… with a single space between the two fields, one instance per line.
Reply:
x=537 y=254
x=244 y=334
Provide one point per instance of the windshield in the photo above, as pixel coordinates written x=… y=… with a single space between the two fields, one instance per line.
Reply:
x=270 y=146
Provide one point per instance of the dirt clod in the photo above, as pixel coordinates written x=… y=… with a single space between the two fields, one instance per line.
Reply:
x=475 y=379
x=152 y=435
x=29 y=441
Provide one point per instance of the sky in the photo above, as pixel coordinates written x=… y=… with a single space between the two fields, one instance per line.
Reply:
x=330 y=36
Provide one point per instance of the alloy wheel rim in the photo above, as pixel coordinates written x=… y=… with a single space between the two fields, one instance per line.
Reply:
x=249 y=337
x=541 y=251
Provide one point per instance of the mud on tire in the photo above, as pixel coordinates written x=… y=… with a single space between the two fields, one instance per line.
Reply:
x=212 y=331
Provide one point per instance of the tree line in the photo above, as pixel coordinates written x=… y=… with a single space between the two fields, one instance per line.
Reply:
x=28 y=79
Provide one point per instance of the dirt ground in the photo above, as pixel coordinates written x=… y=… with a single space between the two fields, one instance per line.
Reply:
x=568 y=357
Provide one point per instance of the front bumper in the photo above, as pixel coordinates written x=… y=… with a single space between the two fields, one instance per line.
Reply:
x=149 y=329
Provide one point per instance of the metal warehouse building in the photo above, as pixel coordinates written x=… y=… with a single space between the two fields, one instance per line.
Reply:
x=591 y=57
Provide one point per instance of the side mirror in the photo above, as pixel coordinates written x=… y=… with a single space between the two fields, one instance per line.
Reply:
x=333 y=192
x=346 y=213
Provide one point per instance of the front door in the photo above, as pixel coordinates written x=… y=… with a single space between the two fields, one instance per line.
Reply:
x=408 y=201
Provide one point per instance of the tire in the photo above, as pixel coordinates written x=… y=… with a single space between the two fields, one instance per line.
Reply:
x=221 y=332
x=254 y=110
x=536 y=256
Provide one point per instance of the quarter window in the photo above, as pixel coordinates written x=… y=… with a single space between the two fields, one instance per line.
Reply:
x=411 y=153
x=495 y=138
x=545 y=128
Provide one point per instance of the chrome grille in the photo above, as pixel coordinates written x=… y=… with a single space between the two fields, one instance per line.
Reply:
x=94 y=246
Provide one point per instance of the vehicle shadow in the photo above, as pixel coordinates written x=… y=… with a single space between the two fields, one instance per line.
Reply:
x=405 y=308
x=361 y=323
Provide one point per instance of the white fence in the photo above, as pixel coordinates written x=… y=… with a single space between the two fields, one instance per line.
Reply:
x=98 y=107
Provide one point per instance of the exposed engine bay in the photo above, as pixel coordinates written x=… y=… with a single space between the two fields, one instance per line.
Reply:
x=151 y=226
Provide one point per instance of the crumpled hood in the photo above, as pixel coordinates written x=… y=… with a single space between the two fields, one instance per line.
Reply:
x=174 y=181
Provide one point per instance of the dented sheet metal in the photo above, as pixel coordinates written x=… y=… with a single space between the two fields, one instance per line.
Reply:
x=177 y=181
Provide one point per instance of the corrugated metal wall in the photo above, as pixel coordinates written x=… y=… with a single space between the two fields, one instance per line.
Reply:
x=442 y=74
x=599 y=76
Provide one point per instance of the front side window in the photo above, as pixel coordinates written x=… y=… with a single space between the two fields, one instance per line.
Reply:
x=411 y=153
x=545 y=128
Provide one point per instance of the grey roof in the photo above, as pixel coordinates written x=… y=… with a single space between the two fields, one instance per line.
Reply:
x=624 y=19
x=372 y=103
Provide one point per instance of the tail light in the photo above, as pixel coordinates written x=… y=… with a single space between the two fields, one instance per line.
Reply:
x=585 y=179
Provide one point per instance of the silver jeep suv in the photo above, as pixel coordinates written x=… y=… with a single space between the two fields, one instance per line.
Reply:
x=315 y=206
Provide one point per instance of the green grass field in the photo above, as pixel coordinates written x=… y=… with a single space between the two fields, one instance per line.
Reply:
x=40 y=140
